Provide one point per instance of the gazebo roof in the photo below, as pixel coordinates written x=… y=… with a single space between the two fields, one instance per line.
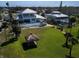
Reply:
x=29 y=11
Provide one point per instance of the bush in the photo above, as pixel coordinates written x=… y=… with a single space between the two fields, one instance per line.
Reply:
x=4 y=25
x=72 y=19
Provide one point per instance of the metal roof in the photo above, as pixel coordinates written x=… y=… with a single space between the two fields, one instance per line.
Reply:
x=59 y=15
x=29 y=11
x=38 y=16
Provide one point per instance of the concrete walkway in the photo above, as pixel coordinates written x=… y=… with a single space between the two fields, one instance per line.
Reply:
x=48 y=25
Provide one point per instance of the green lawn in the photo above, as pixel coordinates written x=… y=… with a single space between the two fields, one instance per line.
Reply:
x=49 y=45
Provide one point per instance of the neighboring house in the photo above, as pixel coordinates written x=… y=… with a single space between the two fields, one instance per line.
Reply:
x=58 y=17
x=28 y=18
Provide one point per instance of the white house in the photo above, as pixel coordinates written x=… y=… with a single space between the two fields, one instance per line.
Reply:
x=58 y=17
x=28 y=18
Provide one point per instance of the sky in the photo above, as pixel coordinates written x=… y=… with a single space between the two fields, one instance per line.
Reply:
x=39 y=3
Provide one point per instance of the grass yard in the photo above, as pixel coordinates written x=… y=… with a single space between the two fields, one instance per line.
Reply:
x=49 y=45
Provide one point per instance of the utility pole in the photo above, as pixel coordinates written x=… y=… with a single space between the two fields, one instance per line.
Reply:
x=60 y=7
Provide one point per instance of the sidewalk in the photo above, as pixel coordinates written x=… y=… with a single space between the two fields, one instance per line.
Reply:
x=48 y=25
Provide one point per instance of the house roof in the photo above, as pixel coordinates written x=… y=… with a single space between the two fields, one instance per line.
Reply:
x=29 y=11
x=60 y=15
x=5 y=9
x=40 y=17
x=56 y=12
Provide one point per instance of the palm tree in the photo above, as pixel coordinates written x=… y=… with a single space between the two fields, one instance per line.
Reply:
x=67 y=36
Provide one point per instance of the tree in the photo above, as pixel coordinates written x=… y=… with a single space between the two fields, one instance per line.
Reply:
x=70 y=42
x=7 y=4
x=15 y=28
x=67 y=36
x=13 y=23
x=4 y=26
x=72 y=19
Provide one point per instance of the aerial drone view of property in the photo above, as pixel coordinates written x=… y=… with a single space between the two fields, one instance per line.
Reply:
x=39 y=29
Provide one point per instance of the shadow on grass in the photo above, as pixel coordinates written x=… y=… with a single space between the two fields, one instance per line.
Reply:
x=66 y=45
x=8 y=42
x=27 y=46
x=67 y=56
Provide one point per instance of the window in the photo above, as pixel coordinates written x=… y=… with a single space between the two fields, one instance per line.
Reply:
x=27 y=20
x=37 y=20
x=25 y=15
x=33 y=20
x=20 y=16
x=32 y=15
x=21 y=21
x=62 y=18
